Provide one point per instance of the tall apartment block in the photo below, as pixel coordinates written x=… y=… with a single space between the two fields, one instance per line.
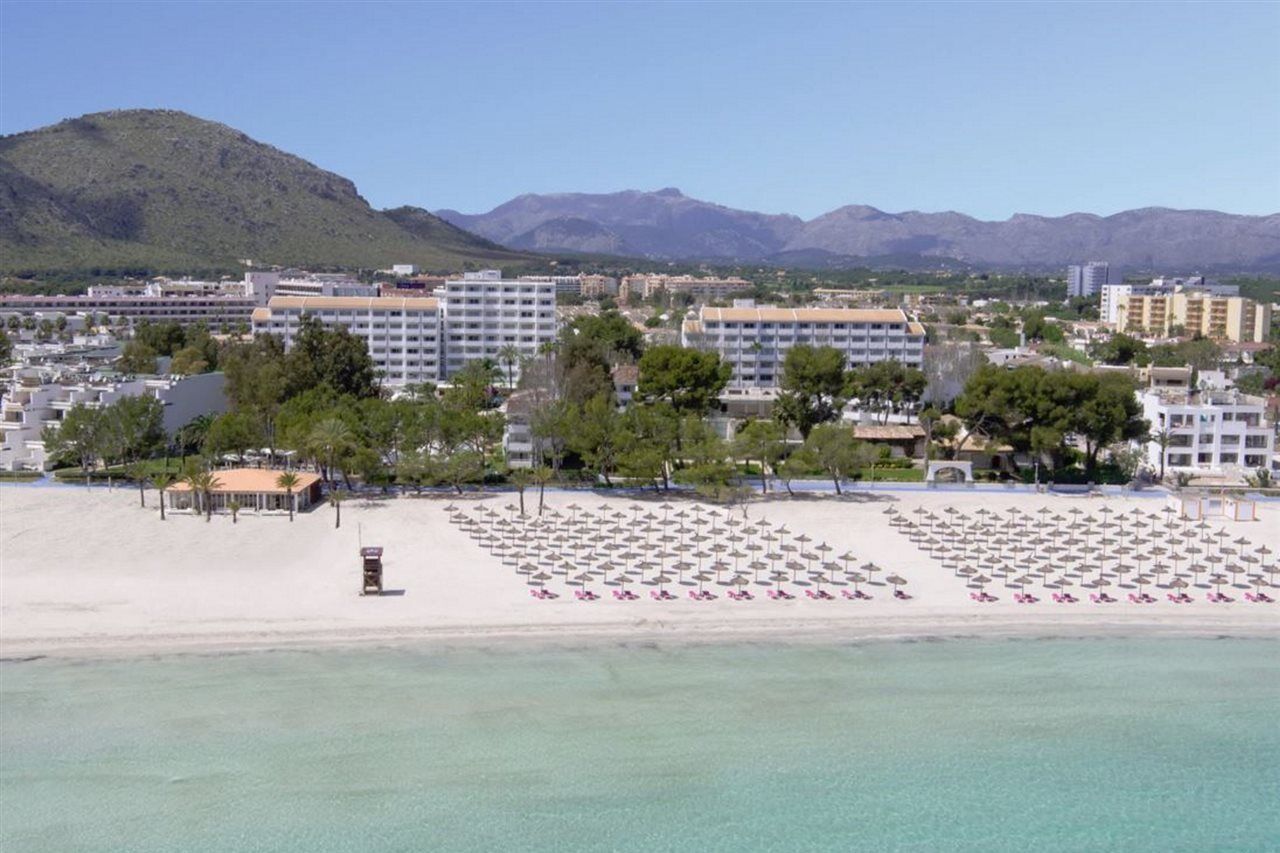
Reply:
x=429 y=339
x=1089 y=279
x=754 y=341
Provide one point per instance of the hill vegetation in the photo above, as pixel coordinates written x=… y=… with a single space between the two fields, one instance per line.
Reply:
x=162 y=191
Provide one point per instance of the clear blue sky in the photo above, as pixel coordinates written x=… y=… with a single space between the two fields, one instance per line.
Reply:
x=989 y=109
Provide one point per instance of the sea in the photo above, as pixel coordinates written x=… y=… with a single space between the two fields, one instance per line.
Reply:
x=945 y=745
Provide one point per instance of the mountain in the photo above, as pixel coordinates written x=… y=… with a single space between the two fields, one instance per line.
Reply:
x=665 y=224
x=163 y=190
x=668 y=225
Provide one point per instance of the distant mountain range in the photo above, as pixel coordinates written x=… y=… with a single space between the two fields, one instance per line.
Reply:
x=669 y=225
x=163 y=190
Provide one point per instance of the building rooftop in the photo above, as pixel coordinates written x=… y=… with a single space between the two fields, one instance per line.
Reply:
x=253 y=480
x=805 y=315
x=362 y=303
x=888 y=432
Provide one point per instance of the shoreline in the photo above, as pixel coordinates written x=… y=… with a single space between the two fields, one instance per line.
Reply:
x=89 y=573
x=647 y=632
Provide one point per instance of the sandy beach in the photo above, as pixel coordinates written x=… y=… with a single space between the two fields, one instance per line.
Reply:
x=87 y=571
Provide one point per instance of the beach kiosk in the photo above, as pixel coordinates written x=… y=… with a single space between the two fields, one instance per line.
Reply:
x=371 y=560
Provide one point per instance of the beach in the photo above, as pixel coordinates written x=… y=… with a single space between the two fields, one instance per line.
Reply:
x=87 y=571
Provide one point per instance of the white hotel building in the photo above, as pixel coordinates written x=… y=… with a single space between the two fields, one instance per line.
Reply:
x=1217 y=432
x=420 y=339
x=482 y=313
x=755 y=341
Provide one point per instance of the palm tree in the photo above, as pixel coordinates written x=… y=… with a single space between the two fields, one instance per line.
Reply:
x=1163 y=438
x=329 y=440
x=288 y=481
x=541 y=475
x=137 y=471
x=520 y=478
x=336 y=497
x=202 y=484
x=509 y=355
x=234 y=507
x=161 y=482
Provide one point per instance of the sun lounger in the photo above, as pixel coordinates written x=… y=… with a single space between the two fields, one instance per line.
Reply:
x=1258 y=598
x=899 y=594
x=780 y=595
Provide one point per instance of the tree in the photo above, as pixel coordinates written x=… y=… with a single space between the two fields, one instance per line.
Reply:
x=509 y=355
x=135 y=426
x=885 y=385
x=331 y=357
x=336 y=497
x=520 y=478
x=187 y=362
x=329 y=441
x=288 y=481
x=761 y=442
x=541 y=475
x=202 y=484
x=1162 y=437
x=162 y=482
x=1122 y=349
x=812 y=384
x=6 y=347
x=833 y=448
x=137 y=471
x=256 y=381
x=598 y=435
x=76 y=438
x=232 y=432
x=689 y=380
x=233 y=506
x=136 y=357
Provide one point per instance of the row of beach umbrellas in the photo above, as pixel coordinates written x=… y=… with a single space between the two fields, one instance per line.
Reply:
x=1055 y=550
x=693 y=546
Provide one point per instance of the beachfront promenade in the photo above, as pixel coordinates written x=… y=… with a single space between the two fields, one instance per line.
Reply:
x=88 y=569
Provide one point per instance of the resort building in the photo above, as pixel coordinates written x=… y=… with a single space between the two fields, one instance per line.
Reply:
x=755 y=341
x=482 y=313
x=402 y=334
x=1223 y=318
x=517 y=435
x=212 y=309
x=251 y=489
x=38 y=397
x=428 y=339
x=1218 y=432
x=1111 y=294
x=699 y=289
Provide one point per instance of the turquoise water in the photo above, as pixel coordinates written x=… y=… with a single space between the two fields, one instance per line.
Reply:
x=957 y=745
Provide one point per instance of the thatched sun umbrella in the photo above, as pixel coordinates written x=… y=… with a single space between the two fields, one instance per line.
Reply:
x=898 y=582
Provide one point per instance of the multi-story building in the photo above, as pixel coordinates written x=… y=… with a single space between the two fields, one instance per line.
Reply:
x=482 y=313
x=1111 y=294
x=428 y=339
x=702 y=289
x=403 y=335
x=1222 y=318
x=1219 y=432
x=754 y=341
x=41 y=396
x=1088 y=279
x=210 y=309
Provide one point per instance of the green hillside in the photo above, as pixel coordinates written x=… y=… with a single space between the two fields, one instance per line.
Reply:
x=165 y=191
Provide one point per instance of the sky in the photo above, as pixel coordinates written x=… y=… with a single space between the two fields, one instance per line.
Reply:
x=990 y=109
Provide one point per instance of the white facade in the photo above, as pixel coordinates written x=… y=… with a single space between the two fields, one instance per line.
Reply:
x=755 y=341
x=1209 y=432
x=1088 y=279
x=414 y=340
x=483 y=312
x=402 y=335
x=39 y=397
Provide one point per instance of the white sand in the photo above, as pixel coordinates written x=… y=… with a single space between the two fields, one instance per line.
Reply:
x=88 y=571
